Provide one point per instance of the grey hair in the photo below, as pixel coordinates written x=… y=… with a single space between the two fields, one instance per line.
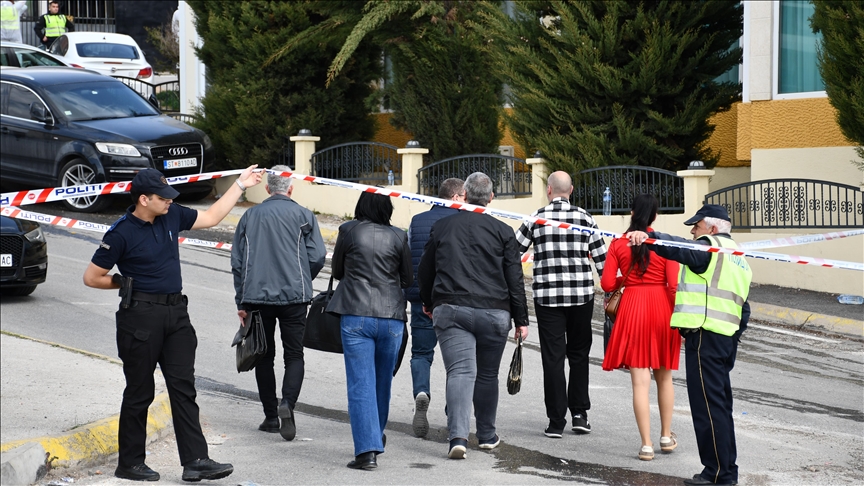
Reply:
x=276 y=183
x=478 y=189
x=722 y=225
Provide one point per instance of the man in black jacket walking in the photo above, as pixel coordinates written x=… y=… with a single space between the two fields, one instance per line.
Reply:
x=470 y=279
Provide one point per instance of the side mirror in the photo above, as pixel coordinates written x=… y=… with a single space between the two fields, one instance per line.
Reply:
x=153 y=101
x=39 y=113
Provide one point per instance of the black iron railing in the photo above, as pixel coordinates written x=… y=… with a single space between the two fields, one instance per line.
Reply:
x=626 y=182
x=168 y=93
x=510 y=176
x=791 y=203
x=184 y=117
x=364 y=162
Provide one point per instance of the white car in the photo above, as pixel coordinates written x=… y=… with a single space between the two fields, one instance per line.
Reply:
x=23 y=55
x=104 y=52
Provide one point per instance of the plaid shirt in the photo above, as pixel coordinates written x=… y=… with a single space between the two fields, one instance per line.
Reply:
x=562 y=270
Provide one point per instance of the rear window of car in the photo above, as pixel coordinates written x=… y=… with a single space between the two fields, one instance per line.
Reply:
x=99 y=101
x=103 y=49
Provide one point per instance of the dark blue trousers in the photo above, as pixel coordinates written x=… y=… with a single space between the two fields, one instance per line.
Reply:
x=710 y=358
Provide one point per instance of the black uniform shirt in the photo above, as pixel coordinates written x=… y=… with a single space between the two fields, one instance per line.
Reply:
x=147 y=252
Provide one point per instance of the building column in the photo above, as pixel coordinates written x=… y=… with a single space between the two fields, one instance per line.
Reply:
x=412 y=162
x=696 y=180
x=538 y=180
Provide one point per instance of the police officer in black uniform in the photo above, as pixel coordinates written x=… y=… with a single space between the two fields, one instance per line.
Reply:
x=153 y=323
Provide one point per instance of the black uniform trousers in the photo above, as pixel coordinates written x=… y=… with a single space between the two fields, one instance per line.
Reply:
x=710 y=358
x=147 y=334
x=292 y=326
x=565 y=332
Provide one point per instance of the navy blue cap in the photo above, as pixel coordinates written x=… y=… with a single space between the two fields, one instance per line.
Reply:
x=151 y=181
x=709 y=211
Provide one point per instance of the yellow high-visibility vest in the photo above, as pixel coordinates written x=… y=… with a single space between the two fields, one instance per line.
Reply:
x=714 y=299
x=55 y=25
x=9 y=18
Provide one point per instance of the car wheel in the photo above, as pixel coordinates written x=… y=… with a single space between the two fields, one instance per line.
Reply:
x=78 y=173
x=20 y=291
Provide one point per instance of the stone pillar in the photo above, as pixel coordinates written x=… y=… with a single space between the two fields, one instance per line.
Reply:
x=412 y=162
x=538 y=180
x=696 y=180
x=304 y=147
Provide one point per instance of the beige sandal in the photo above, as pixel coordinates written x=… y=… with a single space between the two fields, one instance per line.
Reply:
x=646 y=453
x=668 y=444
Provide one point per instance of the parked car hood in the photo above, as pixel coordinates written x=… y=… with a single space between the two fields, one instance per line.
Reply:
x=16 y=226
x=146 y=129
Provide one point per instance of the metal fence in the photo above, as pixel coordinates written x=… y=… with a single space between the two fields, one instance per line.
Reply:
x=364 y=162
x=168 y=93
x=791 y=203
x=184 y=117
x=510 y=176
x=626 y=182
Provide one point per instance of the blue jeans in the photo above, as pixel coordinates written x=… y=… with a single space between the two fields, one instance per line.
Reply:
x=472 y=343
x=423 y=341
x=371 y=346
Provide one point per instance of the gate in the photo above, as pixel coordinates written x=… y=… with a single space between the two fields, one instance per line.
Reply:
x=626 y=182
x=791 y=203
x=363 y=162
x=510 y=176
x=168 y=93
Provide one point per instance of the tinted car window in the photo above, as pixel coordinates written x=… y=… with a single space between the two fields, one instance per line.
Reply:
x=102 y=49
x=27 y=58
x=4 y=98
x=96 y=101
x=19 y=101
x=60 y=46
x=6 y=58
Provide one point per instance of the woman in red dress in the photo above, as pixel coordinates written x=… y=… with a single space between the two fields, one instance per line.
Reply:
x=642 y=339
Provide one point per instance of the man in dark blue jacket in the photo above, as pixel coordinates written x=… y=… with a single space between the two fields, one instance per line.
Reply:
x=423 y=339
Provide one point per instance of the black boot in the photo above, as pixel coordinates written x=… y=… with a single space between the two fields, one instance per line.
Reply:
x=205 y=469
x=365 y=461
x=138 y=472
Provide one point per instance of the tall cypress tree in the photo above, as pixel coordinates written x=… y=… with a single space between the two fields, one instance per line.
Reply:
x=841 y=63
x=254 y=102
x=614 y=82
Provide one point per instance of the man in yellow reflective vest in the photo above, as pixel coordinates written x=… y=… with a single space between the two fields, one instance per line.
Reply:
x=711 y=312
x=10 y=20
x=53 y=24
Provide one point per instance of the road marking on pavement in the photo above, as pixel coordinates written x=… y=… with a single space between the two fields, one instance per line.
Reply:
x=792 y=333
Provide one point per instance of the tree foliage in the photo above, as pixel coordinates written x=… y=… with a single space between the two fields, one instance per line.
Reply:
x=253 y=104
x=614 y=82
x=443 y=90
x=841 y=64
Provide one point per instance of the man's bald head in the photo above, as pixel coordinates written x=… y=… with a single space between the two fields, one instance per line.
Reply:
x=559 y=185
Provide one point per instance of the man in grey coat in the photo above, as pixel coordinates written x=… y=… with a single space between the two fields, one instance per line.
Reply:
x=277 y=252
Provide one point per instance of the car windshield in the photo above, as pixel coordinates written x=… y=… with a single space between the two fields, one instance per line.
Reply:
x=99 y=101
x=103 y=49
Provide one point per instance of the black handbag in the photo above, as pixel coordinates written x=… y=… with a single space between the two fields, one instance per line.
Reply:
x=514 y=377
x=323 y=329
x=251 y=341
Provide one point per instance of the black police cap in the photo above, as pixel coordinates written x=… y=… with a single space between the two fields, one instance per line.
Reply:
x=151 y=181
x=709 y=211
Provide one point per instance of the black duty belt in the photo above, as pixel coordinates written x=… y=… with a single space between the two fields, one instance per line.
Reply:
x=163 y=299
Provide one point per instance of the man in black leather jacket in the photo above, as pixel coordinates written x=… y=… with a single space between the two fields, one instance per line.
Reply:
x=470 y=278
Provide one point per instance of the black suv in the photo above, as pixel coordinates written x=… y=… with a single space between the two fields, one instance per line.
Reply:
x=23 y=256
x=63 y=126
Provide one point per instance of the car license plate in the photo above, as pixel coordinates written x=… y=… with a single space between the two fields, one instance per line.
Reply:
x=180 y=163
x=6 y=260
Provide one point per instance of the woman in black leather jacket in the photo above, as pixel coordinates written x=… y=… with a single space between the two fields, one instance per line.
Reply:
x=372 y=261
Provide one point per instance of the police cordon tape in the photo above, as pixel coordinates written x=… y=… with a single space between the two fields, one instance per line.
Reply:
x=52 y=194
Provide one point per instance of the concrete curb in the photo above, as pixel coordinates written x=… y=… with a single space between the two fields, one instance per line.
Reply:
x=805 y=319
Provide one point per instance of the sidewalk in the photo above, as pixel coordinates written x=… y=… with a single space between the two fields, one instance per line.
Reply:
x=37 y=374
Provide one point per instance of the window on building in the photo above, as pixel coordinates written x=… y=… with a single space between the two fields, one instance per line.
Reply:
x=798 y=69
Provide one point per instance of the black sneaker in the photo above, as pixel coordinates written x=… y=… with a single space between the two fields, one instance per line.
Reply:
x=138 y=472
x=553 y=432
x=580 y=424
x=489 y=443
x=458 y=449
x=206 y=469
x=269 y=425
x=288 y=429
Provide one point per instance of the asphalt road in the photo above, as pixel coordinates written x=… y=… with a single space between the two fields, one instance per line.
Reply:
x=798 y=410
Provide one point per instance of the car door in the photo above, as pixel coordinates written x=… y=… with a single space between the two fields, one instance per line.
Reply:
x=28 y=145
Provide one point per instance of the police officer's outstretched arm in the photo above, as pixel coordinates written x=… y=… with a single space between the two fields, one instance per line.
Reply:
x=217 y=212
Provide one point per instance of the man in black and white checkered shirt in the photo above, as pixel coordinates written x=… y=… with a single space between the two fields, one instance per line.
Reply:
x=564 y=302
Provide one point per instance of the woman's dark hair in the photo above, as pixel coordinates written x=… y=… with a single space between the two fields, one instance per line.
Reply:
x=374 y=207
x=644 y=209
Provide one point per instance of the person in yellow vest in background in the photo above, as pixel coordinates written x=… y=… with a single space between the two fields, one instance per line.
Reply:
x=711 y=312
x=53 y=24
x=10 y=20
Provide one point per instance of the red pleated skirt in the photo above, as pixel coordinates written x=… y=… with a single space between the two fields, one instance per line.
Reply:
x=641 y=336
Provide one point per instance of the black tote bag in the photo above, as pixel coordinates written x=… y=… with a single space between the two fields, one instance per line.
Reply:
x=323 y=329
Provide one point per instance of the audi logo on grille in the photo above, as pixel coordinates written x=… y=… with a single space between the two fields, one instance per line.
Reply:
x=178 y=151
